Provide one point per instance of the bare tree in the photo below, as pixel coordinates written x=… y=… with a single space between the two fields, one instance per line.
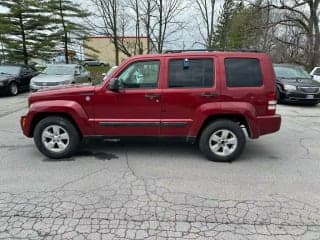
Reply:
x=206 y=9
x=108 y=13
x=166 y=22
x=148 y=8
x=301 y=18
x=135 y=6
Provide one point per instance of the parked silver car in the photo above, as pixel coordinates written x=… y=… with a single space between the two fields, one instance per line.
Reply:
x=59 y=74
x=315 y=73
x=94 y=62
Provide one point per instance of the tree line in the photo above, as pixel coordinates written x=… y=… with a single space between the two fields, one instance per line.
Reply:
x=34 y=28
x=286 y=29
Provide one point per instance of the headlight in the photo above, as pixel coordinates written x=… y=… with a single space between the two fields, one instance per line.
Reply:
x=289 y=87
x=3 y=83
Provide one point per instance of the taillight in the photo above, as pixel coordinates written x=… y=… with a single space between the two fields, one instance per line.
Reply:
x=272 y=102
x=272 y=105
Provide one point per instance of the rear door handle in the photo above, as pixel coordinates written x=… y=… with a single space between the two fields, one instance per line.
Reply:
x=152 y=95
x=208 y=94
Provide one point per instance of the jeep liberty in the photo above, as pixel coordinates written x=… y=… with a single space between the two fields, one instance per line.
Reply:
x=212 y=98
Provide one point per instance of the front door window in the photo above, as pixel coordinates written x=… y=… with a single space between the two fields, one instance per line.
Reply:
x=140 y=75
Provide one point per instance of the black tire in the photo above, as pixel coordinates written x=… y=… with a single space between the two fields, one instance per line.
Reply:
x=278 y=95
x=215 y=127
x=13 y=89
x=73 y=134
x=102 y=65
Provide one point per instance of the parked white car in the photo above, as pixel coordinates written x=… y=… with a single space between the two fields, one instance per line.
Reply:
x=315 y=73
x=59 y=74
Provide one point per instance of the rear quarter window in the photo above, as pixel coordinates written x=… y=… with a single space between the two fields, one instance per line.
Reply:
x=243 y=72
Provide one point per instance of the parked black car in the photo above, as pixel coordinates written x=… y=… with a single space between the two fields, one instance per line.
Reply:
x=15 y=78
x=294 y=84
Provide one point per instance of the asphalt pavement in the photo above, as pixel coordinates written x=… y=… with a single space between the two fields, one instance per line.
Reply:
x=166 y=190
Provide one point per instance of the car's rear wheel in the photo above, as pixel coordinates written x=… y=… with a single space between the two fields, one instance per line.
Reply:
x=56 y=137
x=13 y=89
x=222 y=141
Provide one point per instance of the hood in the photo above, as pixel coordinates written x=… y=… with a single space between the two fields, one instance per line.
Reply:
x=61 y=93
x=52 y=78
x=299 y=82
x=4 y=77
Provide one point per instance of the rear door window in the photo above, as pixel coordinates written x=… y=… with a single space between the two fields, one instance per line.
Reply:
x=243 y=72
x=189 y=73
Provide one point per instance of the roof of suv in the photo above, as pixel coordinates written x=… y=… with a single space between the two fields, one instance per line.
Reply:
x=203 y=53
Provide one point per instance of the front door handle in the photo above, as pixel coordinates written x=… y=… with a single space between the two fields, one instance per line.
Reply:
x=152 y=95
x=208 y=94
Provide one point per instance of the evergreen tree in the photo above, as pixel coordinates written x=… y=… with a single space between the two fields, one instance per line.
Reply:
x=68 y=15
x=224 y=23
x=246 y=27
x=25 y=30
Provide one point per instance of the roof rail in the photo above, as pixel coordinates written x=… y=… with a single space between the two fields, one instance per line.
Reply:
x=211 y=50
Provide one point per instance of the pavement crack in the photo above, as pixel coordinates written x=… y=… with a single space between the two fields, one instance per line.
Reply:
x=304 y=146
x=80 y=178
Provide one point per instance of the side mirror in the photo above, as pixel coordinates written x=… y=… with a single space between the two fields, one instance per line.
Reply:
x=114 y=85
x=103 y=74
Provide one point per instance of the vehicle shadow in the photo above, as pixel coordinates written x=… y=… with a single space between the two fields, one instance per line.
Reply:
x=4 y=94
x=299 y=104
x=106 y=150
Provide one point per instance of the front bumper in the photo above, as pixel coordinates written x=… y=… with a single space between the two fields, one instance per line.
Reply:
x=299 y=96
x=36 y=87
x=25 y=124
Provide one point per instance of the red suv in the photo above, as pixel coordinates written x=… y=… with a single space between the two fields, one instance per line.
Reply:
x=210 y=98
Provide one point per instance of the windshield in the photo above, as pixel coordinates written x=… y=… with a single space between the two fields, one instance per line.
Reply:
x=58 y=70
x=12 y=70
x=111 y=70
x=291 y=72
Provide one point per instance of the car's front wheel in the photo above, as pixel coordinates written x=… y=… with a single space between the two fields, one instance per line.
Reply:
x=222 y=141
x=278 y=96
x=56 y=137
x=13 y=89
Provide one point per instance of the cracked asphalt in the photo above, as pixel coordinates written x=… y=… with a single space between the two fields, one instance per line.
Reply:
x=150 y=190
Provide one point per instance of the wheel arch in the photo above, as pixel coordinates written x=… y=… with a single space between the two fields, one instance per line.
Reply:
x=238 y=118
x=42 y=115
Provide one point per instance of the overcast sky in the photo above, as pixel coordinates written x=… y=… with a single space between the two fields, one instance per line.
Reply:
x=188 y=36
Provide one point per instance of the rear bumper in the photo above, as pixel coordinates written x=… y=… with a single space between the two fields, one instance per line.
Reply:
x=266 y=125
